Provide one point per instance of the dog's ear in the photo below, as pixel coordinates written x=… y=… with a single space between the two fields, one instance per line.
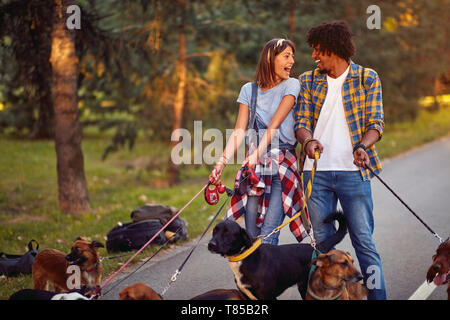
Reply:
x=97 y=244
x=246 y=238
x=79 y=238
x=317 y=262
x=320 y=260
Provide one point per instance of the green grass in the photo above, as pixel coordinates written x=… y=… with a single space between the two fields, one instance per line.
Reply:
x=28 y=189
x=403 y=136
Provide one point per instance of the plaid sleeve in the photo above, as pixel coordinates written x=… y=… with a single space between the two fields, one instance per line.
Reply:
x=304 y=110
x=374 y=103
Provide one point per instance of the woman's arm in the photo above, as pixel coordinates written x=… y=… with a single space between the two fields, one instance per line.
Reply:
x=233 y=143
x=283 y=110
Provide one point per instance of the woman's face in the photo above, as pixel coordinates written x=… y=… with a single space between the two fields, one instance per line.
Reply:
x=283 y=64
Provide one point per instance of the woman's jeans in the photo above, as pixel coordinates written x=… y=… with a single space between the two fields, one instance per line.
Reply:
x=274 y=214
x=355 y=197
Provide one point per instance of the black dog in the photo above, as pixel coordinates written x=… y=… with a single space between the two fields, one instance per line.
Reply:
x=270 y=269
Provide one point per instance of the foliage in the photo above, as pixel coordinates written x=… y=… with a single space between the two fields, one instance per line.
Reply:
x=129 y=58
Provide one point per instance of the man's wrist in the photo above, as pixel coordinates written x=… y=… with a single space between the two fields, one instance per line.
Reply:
x=359 y=145
x=305 y=143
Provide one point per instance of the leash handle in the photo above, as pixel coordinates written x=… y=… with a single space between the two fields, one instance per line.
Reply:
x=403 y=202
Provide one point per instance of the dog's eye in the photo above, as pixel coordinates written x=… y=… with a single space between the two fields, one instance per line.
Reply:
x=345 y=263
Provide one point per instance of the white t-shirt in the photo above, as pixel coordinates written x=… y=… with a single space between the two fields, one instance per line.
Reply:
x=332 y=131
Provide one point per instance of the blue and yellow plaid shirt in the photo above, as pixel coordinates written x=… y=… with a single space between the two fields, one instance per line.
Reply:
x=363 y=106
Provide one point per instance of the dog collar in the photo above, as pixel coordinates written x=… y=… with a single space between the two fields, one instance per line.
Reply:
x=94 y=267
x=247 y=252
x=315 y=297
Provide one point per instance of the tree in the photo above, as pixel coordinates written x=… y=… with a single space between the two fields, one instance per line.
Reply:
x=73 y=194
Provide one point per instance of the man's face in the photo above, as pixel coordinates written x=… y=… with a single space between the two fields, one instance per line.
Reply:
x=322 y=59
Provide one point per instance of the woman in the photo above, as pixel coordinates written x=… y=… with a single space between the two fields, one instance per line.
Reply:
x=273 y=157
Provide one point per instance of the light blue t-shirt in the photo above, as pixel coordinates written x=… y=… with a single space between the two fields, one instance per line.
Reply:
x=268 y=102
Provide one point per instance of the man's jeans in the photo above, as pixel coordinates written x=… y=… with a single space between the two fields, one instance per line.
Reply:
x=274 y=214
x=355 y=197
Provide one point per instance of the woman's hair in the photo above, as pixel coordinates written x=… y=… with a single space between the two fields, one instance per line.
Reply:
x=333 y=37
x=265 y=72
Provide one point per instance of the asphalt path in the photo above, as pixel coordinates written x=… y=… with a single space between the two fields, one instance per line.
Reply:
x=421 y=177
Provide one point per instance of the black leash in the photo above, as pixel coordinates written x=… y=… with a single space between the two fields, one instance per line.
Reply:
x=403 y=202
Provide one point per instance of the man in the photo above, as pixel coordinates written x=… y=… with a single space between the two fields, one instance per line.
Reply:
x=340 y=113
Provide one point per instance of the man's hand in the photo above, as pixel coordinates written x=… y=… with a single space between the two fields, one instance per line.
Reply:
x=361 y=158
x=311 y=148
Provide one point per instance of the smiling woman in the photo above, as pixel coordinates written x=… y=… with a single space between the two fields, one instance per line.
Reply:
x=265 y=106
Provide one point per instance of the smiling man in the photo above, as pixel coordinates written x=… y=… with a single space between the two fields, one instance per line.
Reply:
x=340 y=113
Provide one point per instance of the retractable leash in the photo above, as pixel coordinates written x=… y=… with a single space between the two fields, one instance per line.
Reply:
x=403 y=202
x=98 y=290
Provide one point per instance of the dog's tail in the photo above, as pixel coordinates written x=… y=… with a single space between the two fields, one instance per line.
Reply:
x=333 y=240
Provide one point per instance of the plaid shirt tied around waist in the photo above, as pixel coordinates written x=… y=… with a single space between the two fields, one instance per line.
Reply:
x=292 y=191
x=363 y=107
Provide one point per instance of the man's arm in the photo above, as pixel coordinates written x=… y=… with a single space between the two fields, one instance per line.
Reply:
x=304 y=117
x=305 y=136
x=359 y=153
x=374 y=122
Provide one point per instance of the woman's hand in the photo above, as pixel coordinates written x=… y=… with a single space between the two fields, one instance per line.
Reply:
x=216 y=173
x=251 y=160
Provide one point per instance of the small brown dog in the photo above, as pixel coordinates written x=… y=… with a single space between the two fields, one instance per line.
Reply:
x=335 y=278
x=439 y=271
x=51 y=266
x=140 y=291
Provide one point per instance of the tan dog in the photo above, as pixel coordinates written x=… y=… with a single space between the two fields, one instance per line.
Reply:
x=51 y=266
x=439 y=271
x=335 y=278
x=140 y=291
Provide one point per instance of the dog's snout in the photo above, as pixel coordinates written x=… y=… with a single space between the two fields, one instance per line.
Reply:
x=358 y=277
x=212 y=245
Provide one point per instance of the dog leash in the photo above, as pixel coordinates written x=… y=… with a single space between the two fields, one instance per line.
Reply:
x=301 y=213
x=178 y=271
x=141 y=265
x=403 y=202
x=98 y=290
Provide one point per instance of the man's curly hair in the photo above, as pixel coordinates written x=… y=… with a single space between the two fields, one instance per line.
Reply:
x=333 y=37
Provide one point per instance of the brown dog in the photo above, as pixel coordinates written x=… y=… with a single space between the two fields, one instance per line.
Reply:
x=335 y=278
x=51 y=266
x=439 y=271
x=140 y=291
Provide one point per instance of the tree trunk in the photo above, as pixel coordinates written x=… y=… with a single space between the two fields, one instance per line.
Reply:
x=292 y=17
x=180 y=95
x=436 y=87
x=43 y=127
x=73 y=196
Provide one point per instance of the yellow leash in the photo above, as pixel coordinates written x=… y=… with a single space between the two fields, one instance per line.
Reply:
x=301 y=213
